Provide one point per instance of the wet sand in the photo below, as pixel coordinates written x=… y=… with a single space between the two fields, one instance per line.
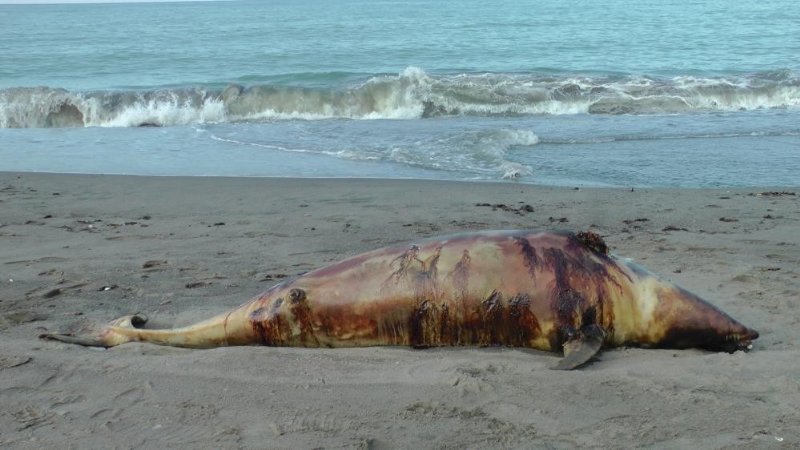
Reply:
x=77 y=251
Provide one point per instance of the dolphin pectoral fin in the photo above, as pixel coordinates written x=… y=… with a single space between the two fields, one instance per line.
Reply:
x=577 y=352
x=582 y=348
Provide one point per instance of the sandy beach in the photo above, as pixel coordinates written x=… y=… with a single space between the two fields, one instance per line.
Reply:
x=77 y=251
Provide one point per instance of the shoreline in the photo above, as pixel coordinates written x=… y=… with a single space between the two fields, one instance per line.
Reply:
x=755 y=189
x=84 y=249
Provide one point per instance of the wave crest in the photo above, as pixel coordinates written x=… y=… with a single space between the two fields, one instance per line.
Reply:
x=410 y=94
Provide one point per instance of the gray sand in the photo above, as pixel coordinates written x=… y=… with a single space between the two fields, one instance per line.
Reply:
x=77 y=251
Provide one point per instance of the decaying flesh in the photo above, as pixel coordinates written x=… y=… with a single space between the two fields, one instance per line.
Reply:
x=547 y=291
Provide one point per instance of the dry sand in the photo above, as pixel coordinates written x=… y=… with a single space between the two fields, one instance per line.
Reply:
x=77 y=251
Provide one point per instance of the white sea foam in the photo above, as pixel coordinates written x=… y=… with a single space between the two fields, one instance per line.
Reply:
x=512 y=171
x=485 y=151
x=165 y=113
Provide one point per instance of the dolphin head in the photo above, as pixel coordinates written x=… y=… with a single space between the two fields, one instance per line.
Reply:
x=692 y=322
x=668 y=316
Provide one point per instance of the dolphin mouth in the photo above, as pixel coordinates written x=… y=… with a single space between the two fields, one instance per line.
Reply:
x=743 y=342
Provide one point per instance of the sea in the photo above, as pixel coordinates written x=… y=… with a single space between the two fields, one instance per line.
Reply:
x=646 y=93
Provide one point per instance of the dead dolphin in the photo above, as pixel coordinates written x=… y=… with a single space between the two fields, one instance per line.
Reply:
x=548 y=291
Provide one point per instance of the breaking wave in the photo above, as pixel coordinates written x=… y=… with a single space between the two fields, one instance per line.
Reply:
x=412 y=94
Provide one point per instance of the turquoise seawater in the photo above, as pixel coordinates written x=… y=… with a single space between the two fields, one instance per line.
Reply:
x=647 y=93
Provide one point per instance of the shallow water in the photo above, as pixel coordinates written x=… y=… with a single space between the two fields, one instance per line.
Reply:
x=651 y=94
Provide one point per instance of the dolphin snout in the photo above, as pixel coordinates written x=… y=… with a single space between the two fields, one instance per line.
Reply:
x=745 y=342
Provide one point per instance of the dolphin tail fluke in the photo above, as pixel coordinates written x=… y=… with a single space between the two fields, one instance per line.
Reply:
x=111 y=335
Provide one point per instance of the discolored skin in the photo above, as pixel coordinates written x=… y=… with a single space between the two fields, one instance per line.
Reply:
x=547 y=291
